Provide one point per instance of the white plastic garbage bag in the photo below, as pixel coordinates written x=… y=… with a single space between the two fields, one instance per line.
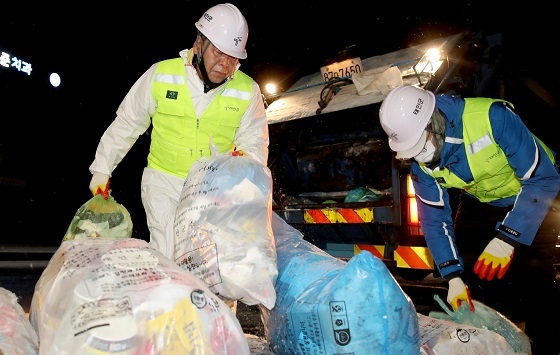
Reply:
x=442 y=337
x=223 y=230
x=485 y=317
x=17 y=336
x=105 y=295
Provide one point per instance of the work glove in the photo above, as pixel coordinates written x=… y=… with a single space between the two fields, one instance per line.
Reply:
x=458 y=293
x=494 y=260
x=99 y=184
x=237 y=153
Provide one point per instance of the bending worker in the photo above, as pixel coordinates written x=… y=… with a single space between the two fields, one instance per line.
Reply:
x=189 y=101
x=501 y=241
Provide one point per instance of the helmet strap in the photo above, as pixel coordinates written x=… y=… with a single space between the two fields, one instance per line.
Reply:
x=201 y=68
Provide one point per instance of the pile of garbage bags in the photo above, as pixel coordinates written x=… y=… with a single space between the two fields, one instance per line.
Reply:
x=328 y=306
x=104 y=292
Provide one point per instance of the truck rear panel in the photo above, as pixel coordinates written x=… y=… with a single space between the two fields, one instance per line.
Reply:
x=326 y=143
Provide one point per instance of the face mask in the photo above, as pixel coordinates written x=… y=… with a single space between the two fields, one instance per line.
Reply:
x=427 y=154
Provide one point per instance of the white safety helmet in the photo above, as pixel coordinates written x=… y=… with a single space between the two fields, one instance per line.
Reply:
x=226 y=28
x=404 y=115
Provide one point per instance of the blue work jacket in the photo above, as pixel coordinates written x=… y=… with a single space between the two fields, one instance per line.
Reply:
x=540 y=182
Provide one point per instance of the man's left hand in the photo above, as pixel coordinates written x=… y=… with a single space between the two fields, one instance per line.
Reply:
x=494 y=260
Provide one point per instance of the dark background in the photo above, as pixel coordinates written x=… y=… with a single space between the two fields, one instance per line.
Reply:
x=48 y=135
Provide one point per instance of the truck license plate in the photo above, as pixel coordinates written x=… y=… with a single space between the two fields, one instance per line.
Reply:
x=342 y=69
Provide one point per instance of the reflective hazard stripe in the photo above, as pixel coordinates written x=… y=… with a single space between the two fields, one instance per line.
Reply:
x=376 y=250
x=339 y=215
x=405 y=256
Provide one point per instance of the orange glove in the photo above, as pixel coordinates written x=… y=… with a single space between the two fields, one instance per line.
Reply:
x=457 y=293
x=99 y=184
x=495 y=259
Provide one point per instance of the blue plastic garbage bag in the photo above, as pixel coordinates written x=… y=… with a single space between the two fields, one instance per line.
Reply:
x=327 y=306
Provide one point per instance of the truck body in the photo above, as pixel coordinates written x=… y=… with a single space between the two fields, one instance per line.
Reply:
x=335 y=178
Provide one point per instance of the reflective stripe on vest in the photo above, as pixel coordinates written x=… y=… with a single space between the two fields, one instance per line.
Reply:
x=178 y=138
x=493 y=176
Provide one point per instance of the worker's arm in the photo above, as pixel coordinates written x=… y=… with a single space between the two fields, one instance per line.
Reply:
x=251 y=138
x=133 y=119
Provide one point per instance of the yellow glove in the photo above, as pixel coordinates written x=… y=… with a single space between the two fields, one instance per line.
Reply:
x=99 y=184
x=457 y=293
x=495 y=259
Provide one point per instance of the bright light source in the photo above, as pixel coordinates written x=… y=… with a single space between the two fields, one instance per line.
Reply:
x=429 y=63
x=434 y=54
x=55 y=79
x=270 y=88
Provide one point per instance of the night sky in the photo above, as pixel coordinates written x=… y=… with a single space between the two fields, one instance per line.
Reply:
x=49 y=135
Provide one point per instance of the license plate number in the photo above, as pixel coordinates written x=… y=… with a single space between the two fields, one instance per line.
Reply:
x=341 y=69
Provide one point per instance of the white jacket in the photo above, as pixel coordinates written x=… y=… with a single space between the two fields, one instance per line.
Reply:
x=135 y=112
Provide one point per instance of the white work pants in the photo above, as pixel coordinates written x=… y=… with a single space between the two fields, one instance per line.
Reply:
x=160 y=197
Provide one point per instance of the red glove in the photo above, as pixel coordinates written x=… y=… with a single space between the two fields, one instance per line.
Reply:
x=237 y=153
x=495 y=259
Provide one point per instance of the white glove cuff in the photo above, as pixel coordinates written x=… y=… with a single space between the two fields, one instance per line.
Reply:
x=98 y=179
x=456 y=282
x=456 y=288
x=499 y=248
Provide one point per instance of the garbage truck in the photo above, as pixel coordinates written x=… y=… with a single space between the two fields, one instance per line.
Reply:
x=335 y=178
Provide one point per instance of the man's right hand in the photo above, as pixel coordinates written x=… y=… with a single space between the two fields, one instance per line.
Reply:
x=457 y=293
x=99 y=184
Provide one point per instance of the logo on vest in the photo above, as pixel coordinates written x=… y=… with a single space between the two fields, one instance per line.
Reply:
x=171 y=95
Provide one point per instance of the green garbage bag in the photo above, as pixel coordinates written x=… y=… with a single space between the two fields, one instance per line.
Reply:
x=100 y=217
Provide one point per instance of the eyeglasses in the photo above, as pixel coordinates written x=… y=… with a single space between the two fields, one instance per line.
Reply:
x=222 y=56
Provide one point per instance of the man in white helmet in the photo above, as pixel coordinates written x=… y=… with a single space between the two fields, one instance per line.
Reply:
x=507 y=217
x=189 y=100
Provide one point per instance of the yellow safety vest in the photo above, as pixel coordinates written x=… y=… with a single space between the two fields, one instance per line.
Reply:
x=493 y=177
x=178 y=138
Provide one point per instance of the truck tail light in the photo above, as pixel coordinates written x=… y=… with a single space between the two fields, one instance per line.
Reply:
x=413 y=221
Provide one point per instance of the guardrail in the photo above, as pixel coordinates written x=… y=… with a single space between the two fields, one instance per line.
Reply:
x=25 y=257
